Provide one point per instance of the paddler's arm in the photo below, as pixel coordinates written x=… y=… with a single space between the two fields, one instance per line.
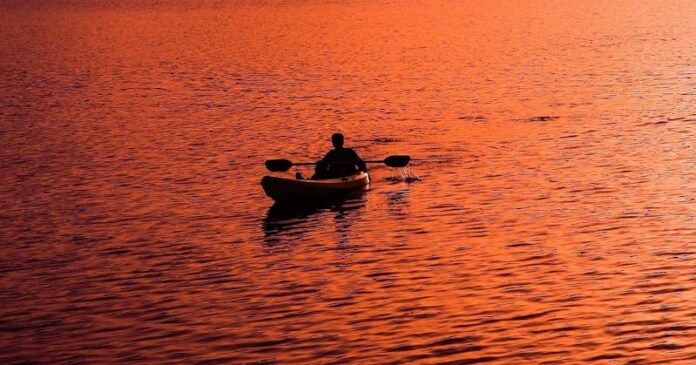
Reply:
x=324 y=162
x=359 y=162
x=321 y=168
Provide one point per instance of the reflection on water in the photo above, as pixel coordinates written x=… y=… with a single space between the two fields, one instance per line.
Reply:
x=555 y=220
x=285 y=220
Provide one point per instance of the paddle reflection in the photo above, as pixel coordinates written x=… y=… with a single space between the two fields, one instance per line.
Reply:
x=287 y=222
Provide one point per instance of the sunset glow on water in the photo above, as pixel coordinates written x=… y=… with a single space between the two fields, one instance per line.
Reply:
x=553 y=221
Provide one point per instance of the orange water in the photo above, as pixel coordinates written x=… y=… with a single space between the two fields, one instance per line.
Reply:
x=555 y=221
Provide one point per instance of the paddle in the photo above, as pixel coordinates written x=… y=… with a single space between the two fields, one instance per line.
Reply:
x=284 y=165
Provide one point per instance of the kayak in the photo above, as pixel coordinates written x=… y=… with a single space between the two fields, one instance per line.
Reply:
x=283 y=189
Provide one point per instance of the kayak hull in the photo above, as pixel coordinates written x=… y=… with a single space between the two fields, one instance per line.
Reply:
x=312 y=191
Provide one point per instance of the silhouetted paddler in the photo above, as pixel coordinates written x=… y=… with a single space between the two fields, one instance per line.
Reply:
x=338 y=162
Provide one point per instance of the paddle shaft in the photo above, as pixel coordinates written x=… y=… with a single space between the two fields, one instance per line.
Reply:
x=303 y=163
x=314 y=163
x=284 y=165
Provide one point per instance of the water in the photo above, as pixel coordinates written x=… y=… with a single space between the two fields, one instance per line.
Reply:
x=554 y=221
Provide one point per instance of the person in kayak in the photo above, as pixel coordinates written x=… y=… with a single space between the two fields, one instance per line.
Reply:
x=338 y=162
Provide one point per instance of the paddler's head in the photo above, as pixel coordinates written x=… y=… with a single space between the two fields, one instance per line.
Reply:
x=337 y=140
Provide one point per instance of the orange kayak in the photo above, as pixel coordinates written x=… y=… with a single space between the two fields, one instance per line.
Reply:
x=311 y=191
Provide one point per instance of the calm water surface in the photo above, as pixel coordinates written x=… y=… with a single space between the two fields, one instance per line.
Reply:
x=555 y=222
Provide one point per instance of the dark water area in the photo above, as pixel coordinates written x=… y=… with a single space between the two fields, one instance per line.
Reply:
x=554 y=221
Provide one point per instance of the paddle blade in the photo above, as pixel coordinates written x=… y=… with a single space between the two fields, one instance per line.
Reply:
x=397 y=160
x=278 y=165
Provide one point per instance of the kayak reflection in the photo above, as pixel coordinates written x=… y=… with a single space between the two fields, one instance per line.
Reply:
x=286 y=222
